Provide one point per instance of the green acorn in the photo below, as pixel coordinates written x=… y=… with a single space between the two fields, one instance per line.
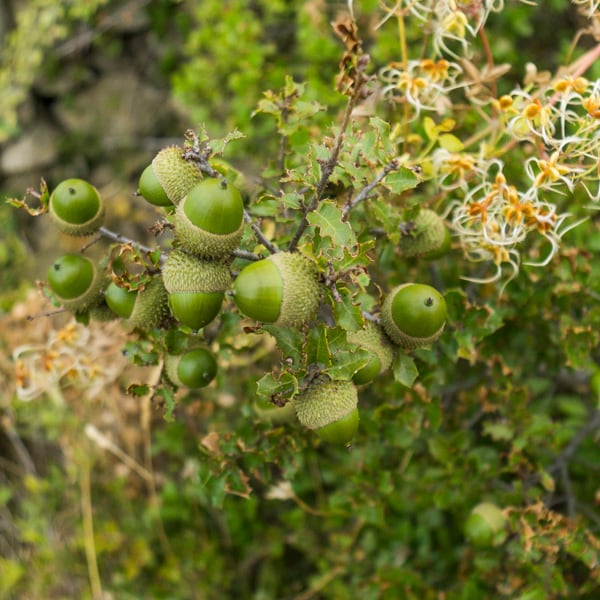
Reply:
x=151 y=307
x=485 y=526
x=120 y=300
x=76 y=207
x=151 y=190
x=176 y=175
x=76 y=282
x=195 y=368
x=196 y=287
x=209 y=221
x=372 y=338
x=330 y=409
x=427 y=236
x=413 y=315
x=281 y=289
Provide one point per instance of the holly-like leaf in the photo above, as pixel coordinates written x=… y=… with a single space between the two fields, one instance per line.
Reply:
x=401 y=180
x=167 y=397
x=336 y=234
x=289 y=341
x=285 y=385
x=348 y=314
x=346 y=363
x=317 y=347
x=405 y=370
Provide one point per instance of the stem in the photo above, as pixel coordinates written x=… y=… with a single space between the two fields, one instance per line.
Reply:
x=326 y=171
x=260 y=236
x=404 y=61
x=88 y=531
x=364 y=193
x=120 y=239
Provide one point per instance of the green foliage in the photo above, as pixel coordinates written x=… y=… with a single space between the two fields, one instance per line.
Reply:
x=166 y=492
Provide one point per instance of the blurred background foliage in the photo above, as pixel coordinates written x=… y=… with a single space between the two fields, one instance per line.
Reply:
x=100 y=497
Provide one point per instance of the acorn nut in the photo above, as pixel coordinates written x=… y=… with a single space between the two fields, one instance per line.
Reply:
x=76 y=282
x=282 y=289
x=485 y=526
x=196 y=287
x=330 y=409
x=76 y=207
x=151 y=190
x=414 y=315
x=209 y=221
x=195 y=368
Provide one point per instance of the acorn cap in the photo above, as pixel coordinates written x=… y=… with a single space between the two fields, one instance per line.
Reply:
x=183 y=272
x=76 y=207
x=176 y=175
x=281 y=289
x=428 y=235
x=373 y=338
x=324 y=402
x=151 y=306
x=76 y=282
x=413 y=315
x=485 y=525
x=209 y=222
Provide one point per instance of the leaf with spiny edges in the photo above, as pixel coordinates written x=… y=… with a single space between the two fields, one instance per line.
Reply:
x=284 y=385
x=289 y=340
x=336 y=235
x=405 y=370
x=401 y=180
x=167 y=396
x=317 y=350
x=389 y=219
x=348 y=313
x=346 y=363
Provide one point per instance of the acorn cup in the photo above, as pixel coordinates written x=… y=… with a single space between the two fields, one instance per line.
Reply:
x=282 y=289
x=427 y=238
x=209 y=221
x=196 y=287
x=175 y=175
x=485 y=526
x=414 y=315
x=195 y=368
x=372 y=338
x=76 y=207
x=76 y=282
x=143 y=308
x=330 y=409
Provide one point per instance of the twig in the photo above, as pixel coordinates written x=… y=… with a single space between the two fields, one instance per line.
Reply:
x=245 y=255
x=88 y=531
x=121 y=239
x=327 y=168
x=364 y=193
x=260 y=236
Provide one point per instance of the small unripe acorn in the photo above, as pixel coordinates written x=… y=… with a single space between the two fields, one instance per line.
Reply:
x=281 y=289
x=176 y=175
x=76 y=282
x=76 y=207
x=209 y=221
x=195 y=368
x=151 y=306
x=413 y=315
x=485 y=526
x=428 y=237
x=151 y=190
x=330 y=409
x=120 y=300
x=372 y=338
x=196 y=287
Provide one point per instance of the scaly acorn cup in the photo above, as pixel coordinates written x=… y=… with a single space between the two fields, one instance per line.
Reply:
x=413 y=315
x=485 y=526
x=151 y=307
x=76 y=207
x=282 y=289
x=151 y=190
x=330 y=409
x=209 y=221
x=428 y=236
x=372 y=338
x=196 y=287
x=176 y=175
x=76 y=282
x=194 y=368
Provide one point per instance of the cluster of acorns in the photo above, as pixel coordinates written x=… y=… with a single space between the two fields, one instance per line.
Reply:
x=207 y=214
